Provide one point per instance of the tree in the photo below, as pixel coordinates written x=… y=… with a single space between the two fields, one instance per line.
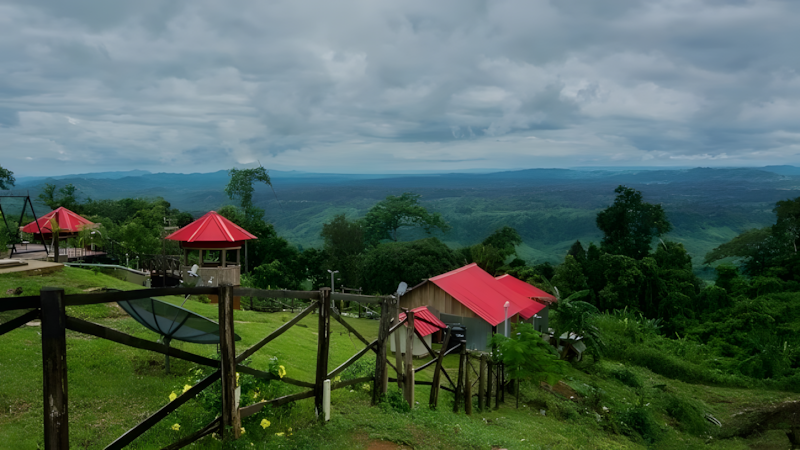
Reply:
x=757 y=248
x=569 y=277
x=492 y=253
x=6 y=178
x=630 y=224
x=576 y=316
x=241 y=186
x=345 y=245
x=787 y=226
x=527 y=356
x=66 y=196
x=386 y=265
x=387 y=216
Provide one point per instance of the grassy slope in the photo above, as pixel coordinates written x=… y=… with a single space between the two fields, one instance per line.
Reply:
x=112 y=387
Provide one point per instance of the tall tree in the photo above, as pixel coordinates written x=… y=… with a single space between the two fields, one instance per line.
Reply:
x=241 y=186
x=387 y=216
x=64 y=196
x=631 y=224
x=6 y=178
x=787 y=227
x=344 y=245
x=390 y=263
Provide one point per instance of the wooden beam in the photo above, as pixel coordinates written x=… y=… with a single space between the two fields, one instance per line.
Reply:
x=262 y=293
x=17 y=322
x=482 y=382
x=467 y=386
x=408 y=377
x=278 y=331
x=398 y=359
x=460 y=385
x=54 y=369
x=323 y=347
x=116 y=296
x=231 y=421
x=93 y=329
x=349 y=327
x=352 y=359
x=248 y=411
x=197 y=435
x=434 y=398
x=356 y=298
x=381 y=371
x=156 y=417
x=13 y=303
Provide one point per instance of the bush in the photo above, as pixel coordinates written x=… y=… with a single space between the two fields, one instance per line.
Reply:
x=689 y=414
x=393 y=400
x=627 y=377
x=640 y=421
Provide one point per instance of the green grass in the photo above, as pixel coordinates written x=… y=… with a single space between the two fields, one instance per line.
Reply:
x=112 y=388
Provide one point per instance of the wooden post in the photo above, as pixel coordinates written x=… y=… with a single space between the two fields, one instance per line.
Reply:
x=323 y=346
x=231 y=420
x=437 y=373
x=467 y=386
x=460 y=384
x=398 y=358
x=503 y=382
x=489 y=383
x=408 y=379
x=54 y=369
x=381 y=370
x=482 y=382
x=498 y=387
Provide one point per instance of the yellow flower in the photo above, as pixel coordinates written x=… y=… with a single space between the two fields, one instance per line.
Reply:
x=280 y=434
x=290 y=431
x=281 y=371
x=337 y=379
x=242 y=430
x=366 y=387
x=172 y=396
x=255 y=394
x=186 y=387
x=176 y=427
x=237 y=378
x=265 y=423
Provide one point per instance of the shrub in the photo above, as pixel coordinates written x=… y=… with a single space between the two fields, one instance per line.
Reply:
x=639 y=420
x=627 y=377
x=689 y=414
x=393 y=400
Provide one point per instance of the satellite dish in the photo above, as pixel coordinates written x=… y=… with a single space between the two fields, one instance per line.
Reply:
x=402 y=288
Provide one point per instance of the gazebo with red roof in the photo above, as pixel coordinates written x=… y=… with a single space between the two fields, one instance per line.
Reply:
x=215 y=239
x=69 y=224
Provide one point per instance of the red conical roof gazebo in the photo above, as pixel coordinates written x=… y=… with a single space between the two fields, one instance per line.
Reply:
x=211 y=231
x=69 y=224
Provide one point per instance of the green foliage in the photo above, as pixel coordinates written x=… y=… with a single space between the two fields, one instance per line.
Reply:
x=627 y=377
x=527 y=357
x=387 y=216
x=569 y=278
x=64 y=196
x=492 y=253
x=241 y=186
x=630 y=224
x=688 y=412
x=575 y=316
x=389 y=263
x=640 y=420
x=393 y=400
x=344 y=247
x=6 y=178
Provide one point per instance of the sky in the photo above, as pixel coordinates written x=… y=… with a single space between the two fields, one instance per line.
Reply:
x=391 y=86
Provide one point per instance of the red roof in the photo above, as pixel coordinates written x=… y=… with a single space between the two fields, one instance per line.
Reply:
x=67 y=221
x=527 y=290
x=424 y=328
x=483 y=294
x=211 y=228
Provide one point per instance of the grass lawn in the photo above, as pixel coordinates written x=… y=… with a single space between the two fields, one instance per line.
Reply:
x=113 y=387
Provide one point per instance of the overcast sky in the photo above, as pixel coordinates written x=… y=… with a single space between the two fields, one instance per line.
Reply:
x=382 y=86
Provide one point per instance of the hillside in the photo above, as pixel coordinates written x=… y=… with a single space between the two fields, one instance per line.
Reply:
x=551 y=208
x=608 y=404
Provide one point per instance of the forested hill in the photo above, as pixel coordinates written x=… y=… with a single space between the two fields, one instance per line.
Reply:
x=551 y=208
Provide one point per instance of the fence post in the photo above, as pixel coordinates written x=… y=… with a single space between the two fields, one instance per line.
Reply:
x=397 y=357
x=467 y=387
x=489 y=383
x=323 y=346
x=460 y=385
x=437 y=373
x=381 y=369
x=498 y=387
x=408 y=378
x=482 y=382
x=503 y=383
x=231 y=420
x=54 y=369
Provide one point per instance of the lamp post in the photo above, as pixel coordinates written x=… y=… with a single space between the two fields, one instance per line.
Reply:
x=332 y=272
x=92 y=236
x=506 y=307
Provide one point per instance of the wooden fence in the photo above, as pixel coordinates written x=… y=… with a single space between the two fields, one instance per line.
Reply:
x=50 y=306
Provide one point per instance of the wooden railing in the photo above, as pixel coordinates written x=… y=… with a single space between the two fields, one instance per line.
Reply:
x=50 y=307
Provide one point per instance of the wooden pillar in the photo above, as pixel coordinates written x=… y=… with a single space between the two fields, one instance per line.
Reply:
x=498 y=387
x=467 y=386
x=381 y=368
x=408 y=379
x=231 y=420
x=397 y=357
x=503 y=382
x=489 y=383
x=223 y=257
x=54 y=369
x=437 y=373
x=323 y=346
x=460 y=384
x=482 y=382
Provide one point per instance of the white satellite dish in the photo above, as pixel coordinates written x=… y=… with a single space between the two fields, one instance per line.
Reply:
x=402 y=288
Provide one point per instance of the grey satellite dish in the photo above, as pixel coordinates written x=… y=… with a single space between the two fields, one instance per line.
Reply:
x=402 y=288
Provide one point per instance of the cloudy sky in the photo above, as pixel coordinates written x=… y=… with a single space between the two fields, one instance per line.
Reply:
x=383 y=86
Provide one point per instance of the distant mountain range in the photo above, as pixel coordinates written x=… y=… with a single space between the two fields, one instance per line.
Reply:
x=551 y=208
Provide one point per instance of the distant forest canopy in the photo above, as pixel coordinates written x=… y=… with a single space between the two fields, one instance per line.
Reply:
x=744 y=323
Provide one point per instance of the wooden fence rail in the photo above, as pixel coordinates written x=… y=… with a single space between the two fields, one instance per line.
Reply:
x=51 y=305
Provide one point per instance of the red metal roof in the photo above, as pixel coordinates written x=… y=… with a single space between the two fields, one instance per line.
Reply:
x=67 y=221
x=423 y=327
x=212 y=227
x=483 y=294
x=526 y=289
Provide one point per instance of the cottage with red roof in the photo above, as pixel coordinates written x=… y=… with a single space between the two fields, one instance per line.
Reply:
x=473 y=298
x=426 y=323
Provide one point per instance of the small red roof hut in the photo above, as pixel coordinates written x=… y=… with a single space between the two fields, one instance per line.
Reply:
x=69 y=224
